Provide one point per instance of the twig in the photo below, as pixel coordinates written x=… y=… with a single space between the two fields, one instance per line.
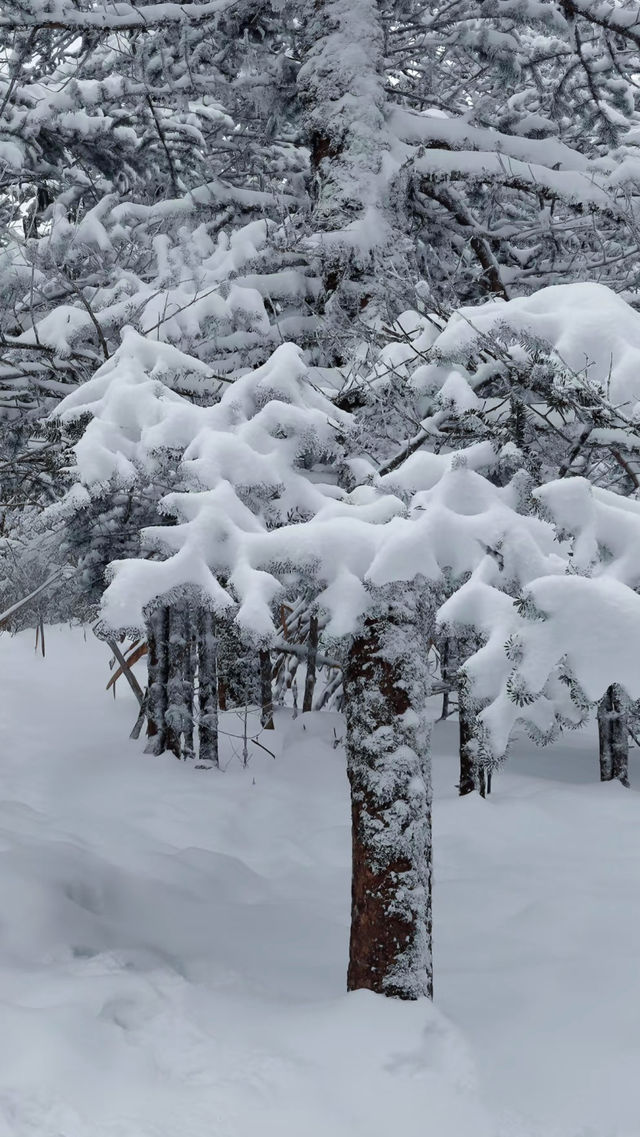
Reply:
x=127 y=672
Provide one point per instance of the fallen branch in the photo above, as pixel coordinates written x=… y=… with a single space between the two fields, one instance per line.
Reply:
x=133 y=657
x=127 y=672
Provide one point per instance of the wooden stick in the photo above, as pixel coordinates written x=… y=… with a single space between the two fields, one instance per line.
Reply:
x=127 y=672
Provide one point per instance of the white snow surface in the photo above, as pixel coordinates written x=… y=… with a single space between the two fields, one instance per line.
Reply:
x=173 y=941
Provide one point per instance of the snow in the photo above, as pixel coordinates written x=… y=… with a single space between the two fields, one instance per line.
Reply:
x=256 y=498
x=432 y=126
x=122 y=15
x=568 y=185
x=173 y=942
x=539 y=884
x=591 y=330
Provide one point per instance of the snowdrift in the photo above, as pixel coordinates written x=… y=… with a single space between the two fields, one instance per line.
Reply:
x=173 y=942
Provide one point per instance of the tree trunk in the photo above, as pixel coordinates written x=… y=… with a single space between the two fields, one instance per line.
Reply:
x=613 y=737
x=312 y=657
x=342 y=86
x=158 y=669
x=472 y=774
x=190 y=667
x=266 y=693
x=386 y=687
x=222 y=693
x=445 y=659
x=207 y=690
x=179 y=693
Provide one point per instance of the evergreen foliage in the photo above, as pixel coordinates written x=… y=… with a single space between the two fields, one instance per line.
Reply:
x=319 y=345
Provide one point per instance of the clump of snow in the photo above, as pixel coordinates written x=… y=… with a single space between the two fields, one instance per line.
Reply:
x=578 y=612
x=588 y=326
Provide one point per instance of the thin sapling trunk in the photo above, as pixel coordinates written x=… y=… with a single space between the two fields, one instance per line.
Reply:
x=613 y=737
x=207 y=690
x=312 y=658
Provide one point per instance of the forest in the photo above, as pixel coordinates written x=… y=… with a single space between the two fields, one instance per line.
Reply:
x=320 y=451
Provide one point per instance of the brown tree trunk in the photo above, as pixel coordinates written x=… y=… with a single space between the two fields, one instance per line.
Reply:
x=386 y=688
x=266 y=693
x=222 y=693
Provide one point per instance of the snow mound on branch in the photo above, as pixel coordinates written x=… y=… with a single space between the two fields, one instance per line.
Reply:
x=582 y=620
x=260 y=496
x=130 y=399
x=259 y=457
x=352 y=542
x=588 y=326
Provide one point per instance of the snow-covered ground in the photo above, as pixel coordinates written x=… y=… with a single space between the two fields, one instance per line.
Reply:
x=173 y=941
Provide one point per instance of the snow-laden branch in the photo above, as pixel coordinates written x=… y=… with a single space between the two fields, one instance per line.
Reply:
x=575 y=187
x=117 y=17
x=15 y=608
x=259 y=505
x=458 y=134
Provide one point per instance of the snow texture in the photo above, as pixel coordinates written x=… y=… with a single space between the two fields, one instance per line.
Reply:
x=174 y=942
x=589 y=328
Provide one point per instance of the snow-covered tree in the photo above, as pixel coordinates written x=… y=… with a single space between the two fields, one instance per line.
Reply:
x=262 y=508
x=578 y=625
x=187 y=191
x=251 y=459
x=549 y=380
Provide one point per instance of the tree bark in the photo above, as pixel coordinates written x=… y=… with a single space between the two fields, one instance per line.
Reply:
x=342 y=88
x=445 y=659
x=613 y=737
x=266 y=692
x=189 y=686
x=312 y=659
x=179 y=693
x=386 y=687
x=207 y=690
x=158 y=671
x=472 y=774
